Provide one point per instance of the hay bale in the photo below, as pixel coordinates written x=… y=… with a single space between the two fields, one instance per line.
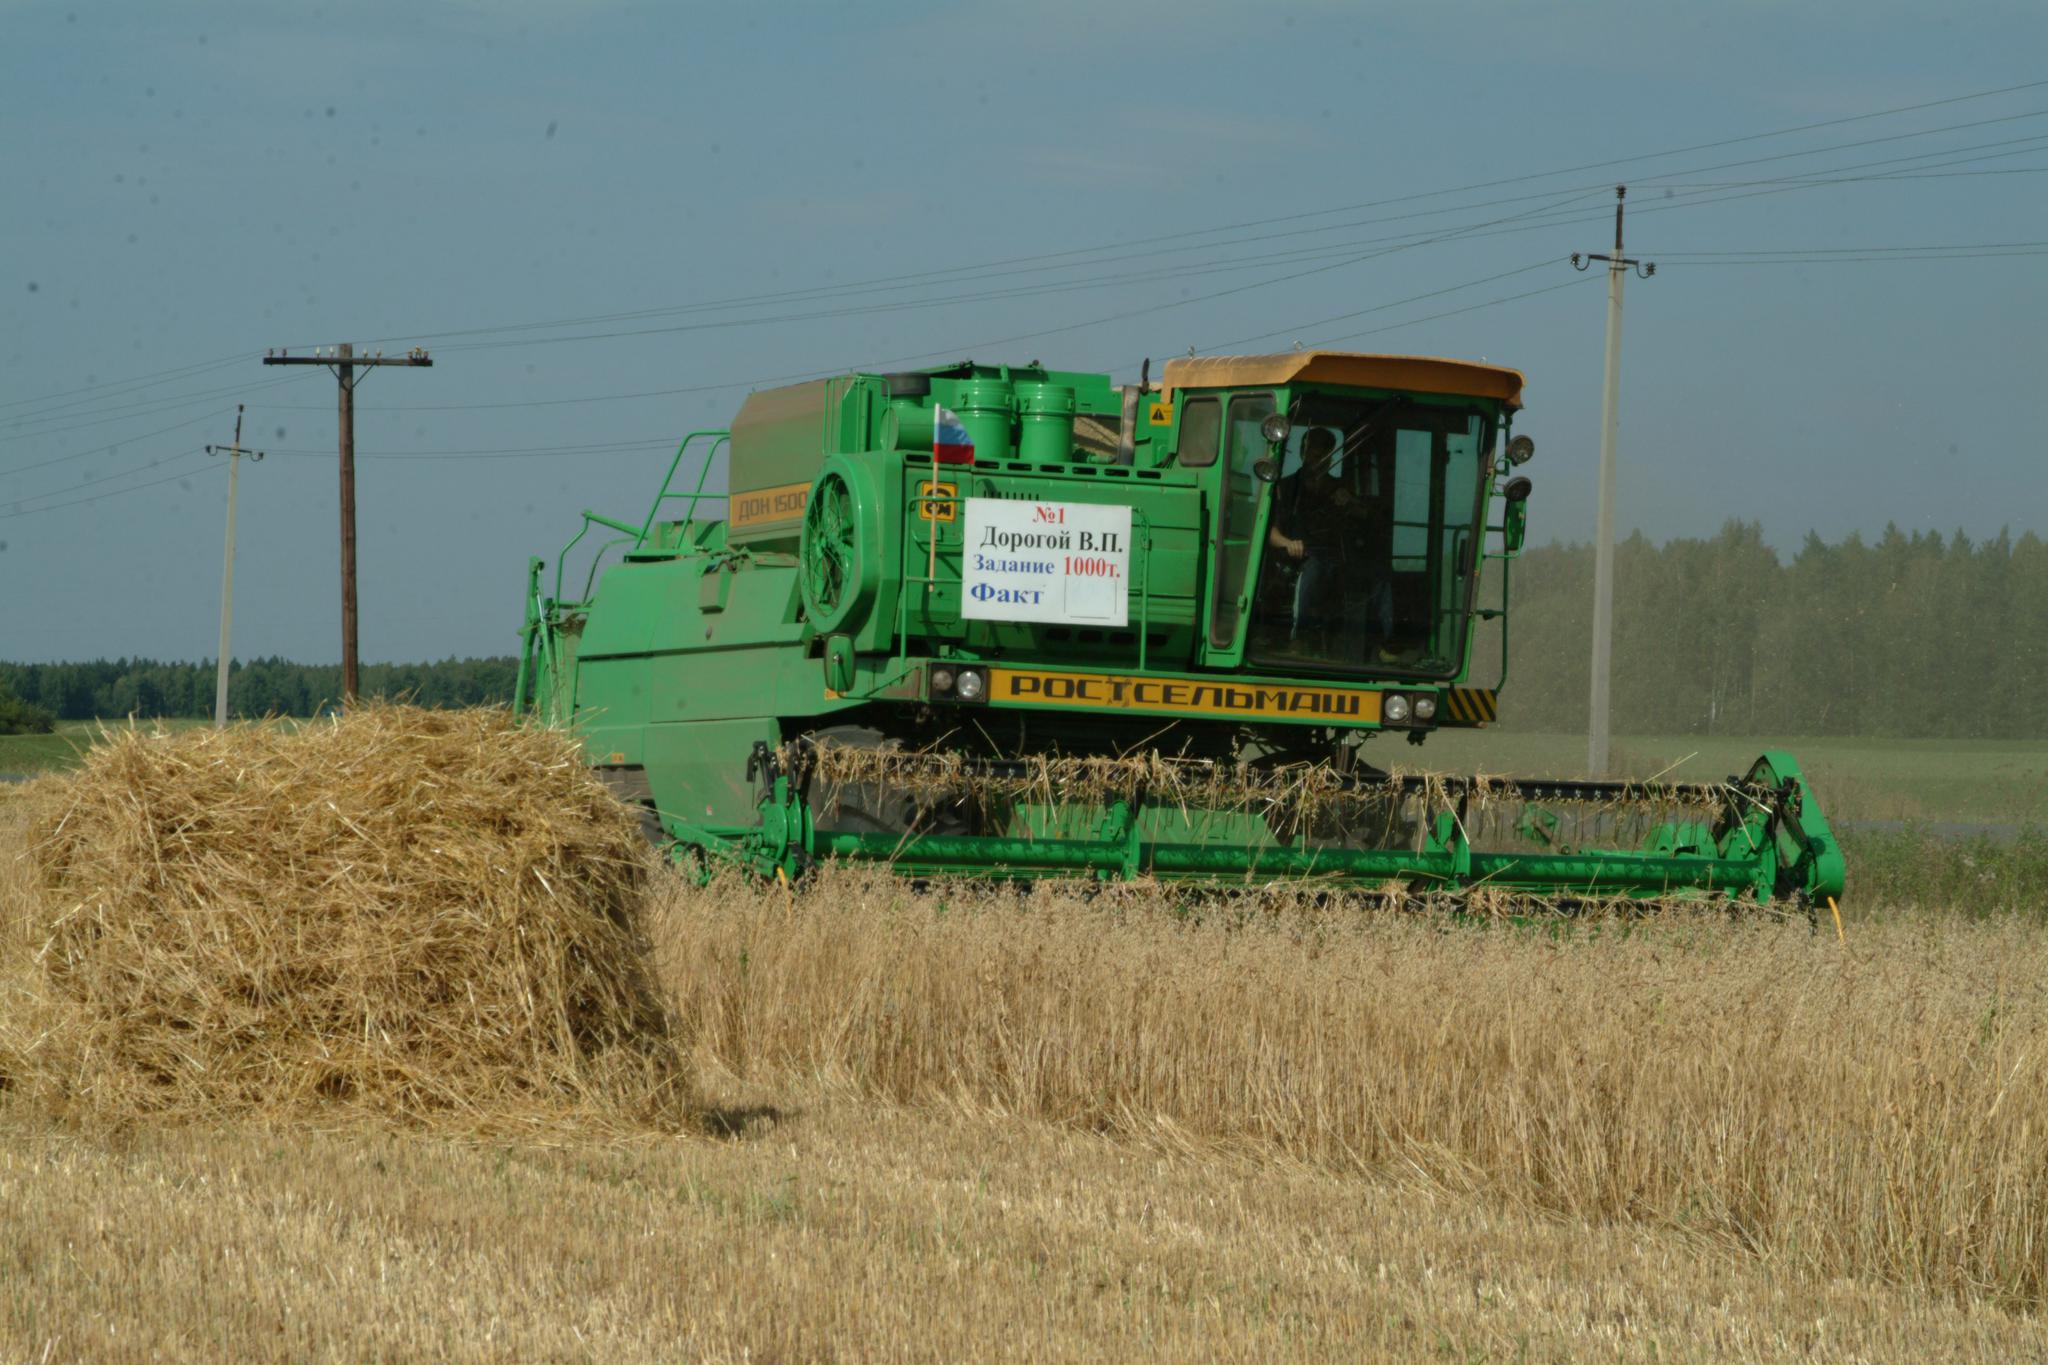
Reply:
x=425 y=915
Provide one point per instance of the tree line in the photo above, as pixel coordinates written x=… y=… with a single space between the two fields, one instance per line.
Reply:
x=1909 y=635
x=151 y=689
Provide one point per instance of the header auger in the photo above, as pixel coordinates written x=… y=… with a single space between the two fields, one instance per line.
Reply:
x=1012 y=622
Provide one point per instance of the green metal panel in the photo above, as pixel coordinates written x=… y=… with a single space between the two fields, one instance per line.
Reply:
x=698 y=770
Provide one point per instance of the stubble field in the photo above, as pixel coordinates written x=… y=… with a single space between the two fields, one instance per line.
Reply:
x=947 y=1124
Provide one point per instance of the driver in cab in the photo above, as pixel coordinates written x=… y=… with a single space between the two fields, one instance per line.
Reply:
x=1318 y=522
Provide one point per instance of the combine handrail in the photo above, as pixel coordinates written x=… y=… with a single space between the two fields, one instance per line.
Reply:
x=664 y=495
x=590 y=579
x=640 y=533
x=527 y=631
x=590 y=519
x=1506 y=558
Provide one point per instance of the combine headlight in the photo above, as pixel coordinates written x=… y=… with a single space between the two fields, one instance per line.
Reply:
x=1275 y=428
x=1520 y=450
x=942 y=680
x=971 y=685
x=1425 y=708
x=1394 y=708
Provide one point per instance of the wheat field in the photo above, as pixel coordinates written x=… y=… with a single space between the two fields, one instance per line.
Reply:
x=1874 y=1108
x=959 y=1123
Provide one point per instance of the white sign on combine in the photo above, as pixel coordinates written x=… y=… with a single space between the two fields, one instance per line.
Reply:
x=1062 y=562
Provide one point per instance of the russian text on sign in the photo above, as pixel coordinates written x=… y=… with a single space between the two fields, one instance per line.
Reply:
x=1064 y=563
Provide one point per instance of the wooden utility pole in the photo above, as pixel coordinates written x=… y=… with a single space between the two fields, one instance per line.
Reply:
x=227 y=572
x=344 y=363
x=1603 y=536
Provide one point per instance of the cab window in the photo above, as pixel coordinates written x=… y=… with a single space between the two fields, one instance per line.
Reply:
x=1200 y=422
x=1238 y=514
x=1371 y=554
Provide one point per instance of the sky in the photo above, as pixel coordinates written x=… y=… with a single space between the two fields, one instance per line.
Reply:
x=608 y=221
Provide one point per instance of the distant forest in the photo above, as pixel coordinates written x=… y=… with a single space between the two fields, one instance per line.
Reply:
x=261 y=687
x=1906 y=636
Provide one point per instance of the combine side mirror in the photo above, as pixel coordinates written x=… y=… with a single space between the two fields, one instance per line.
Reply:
x=1515 y=523
x=1266 y=471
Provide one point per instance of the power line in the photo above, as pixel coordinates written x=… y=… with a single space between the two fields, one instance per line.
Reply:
x=155 y=405
x=138 y=381
x=104 y=478
x=1305 y=326
x=1378 y=307
x=663 y=442
x=1546 y=216
x=929 y=275
x=794 y=376
x=1537 y=219
x=1777 y=185
x=503 y=452
x=926 y=281
x=1454 y=312
x=1895 y=175
x=1403 y=245
x=1816 y=151
x=824 y=292
x=147 y=435
x=1653 y=176
x=1782 y=185
x=100 y=497
x=1845 y=250
x=1869 y=260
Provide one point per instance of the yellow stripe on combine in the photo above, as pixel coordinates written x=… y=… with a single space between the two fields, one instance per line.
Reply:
x=1471 y=705
x=1035 y=687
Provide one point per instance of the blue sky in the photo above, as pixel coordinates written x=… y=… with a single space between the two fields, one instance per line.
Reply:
x=191 y=184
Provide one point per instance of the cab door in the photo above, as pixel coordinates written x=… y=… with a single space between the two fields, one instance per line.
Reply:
x=1236 y=529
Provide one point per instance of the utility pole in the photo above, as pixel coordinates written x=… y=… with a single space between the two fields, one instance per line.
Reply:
x=344 y=363
x=227 y=571
x=1603 y=536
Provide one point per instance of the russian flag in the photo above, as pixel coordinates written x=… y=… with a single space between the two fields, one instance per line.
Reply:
x=950 y=442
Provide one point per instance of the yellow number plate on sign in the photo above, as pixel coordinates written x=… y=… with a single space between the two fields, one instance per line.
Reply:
x=938 y=511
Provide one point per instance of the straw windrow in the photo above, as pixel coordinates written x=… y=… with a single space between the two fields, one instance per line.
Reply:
x=1296 y=799
x=419 y=915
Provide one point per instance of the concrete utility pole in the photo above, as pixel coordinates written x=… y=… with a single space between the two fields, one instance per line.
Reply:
x=227 y=571
x=1603 y=535
x=344 y=362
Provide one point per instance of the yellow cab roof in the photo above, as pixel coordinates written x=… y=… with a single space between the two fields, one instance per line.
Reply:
x=1353 y=369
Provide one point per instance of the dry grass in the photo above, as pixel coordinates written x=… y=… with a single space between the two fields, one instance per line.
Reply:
x=1879 y=1110
x=974 y=1124
x=851 y=1231
x=1316 y=800
x=404 y=913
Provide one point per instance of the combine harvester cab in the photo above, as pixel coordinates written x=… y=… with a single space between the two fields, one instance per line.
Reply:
x=1005 y=621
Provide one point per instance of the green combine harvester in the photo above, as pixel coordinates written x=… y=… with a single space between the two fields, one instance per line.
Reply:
x=1010 y=622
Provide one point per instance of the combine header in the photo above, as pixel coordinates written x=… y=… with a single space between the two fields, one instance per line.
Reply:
x=1005 y=621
